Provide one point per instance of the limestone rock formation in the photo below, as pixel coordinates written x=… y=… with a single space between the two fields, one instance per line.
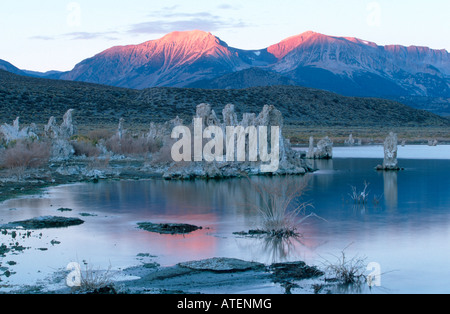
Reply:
x=290 y=161
x=67 y=129
x=248 y=119
x=390 y=153
x=162 y=132
x=229 y=116
x=61 y=150
x=324 y=149
x=60 y=136
x=350 y=141
x=14 y=133
x=432 y=142
x=222 y=265
x=120 y=130
x=51 y=130
x=208 y=115
x=310 y=153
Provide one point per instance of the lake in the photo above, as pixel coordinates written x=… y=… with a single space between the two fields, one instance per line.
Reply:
x=404 y=227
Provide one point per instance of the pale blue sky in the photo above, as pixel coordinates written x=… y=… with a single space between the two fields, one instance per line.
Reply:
x=56 y=34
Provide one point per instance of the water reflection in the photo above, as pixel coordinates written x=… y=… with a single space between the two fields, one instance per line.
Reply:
x=390 y=189
x=322 y=177
x=324 y=164
x=417 y=221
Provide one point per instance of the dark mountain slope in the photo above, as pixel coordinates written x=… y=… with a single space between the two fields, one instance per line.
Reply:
x=36 y=99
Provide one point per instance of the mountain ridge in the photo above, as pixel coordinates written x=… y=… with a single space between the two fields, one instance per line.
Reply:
x=345 y=65
x=179 y=59
x=34 y=100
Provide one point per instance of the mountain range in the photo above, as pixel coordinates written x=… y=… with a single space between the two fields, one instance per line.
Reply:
x=344 y=65
x=96 y=106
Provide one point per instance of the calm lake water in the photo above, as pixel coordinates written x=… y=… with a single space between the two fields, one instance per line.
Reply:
x=407 y=231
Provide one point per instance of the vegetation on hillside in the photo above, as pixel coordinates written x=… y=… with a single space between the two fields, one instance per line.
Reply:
x=34 y=100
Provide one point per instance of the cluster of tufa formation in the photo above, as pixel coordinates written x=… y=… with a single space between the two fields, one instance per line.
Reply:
x=432 y=142
x=291 y=162
x=13 y=132
x=351 y=141
x=324 y=149
x=60 y=136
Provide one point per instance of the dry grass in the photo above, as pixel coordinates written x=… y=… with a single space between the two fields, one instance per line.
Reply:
x=25 y=155
x=347 y=270
x=84 y=148
x=99 y=163
x=91 y=279
x=360 y=197
x=101 y=134
x=131 y=146
x=281 y=206
x=163 y=156
x=95 y=279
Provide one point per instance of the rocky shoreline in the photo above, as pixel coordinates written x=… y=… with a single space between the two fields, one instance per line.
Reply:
x=220 y=275
x=217 y=275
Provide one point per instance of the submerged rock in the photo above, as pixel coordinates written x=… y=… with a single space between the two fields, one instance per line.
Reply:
x=168 y=228
x=294 y=271
x=3 y=250
x=44 y=222
x=255 y=232
x=107 y=289
x=222 y=265
x=62 y=209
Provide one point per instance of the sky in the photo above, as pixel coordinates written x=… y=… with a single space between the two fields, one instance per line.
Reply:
x=57 y=34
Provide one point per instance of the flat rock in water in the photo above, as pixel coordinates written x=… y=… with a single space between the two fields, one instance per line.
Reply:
x=62 y=209
x=44 y=222
x=222 y=265
x=168 y=228
x=294 y=271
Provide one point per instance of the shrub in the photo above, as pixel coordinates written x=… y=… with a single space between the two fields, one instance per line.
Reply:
x=102 y=134
x=281 y=205
x=360 y=197
x=129 y=145
x=25 y=155
x=164 y=156
x=83 y=148
x=99 y=163
x=347 y=270
x=93 y=280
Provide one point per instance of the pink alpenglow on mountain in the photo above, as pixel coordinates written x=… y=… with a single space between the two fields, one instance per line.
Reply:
x=176 y=59
x=346 y=65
